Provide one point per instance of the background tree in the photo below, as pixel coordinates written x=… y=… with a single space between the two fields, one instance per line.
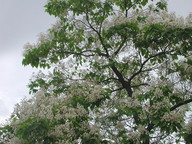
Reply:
x=120 y=72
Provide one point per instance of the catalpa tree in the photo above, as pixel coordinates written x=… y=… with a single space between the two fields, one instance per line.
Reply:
x=119 y=73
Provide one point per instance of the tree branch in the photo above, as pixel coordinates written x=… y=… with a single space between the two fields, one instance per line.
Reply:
x=121 y=79
x=80 y=54
x=142 y=65
x=180 y=104
x=120 y=47
x=142 y=84
x=108 y=79
x=99 y=35
x=121 y=88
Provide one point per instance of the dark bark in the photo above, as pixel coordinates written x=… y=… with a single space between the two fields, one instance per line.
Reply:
x=180 y=104
x=121 y=79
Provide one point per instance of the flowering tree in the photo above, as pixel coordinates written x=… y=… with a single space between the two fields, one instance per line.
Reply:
x=119 y=74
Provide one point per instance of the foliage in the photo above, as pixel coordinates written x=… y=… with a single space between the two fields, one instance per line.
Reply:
x=120 y=73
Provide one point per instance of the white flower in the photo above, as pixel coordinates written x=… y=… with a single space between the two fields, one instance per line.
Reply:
x=189 y=20
x=158 y=92
x=28 y=47
x=188 y=127
x=141 y=129
x=173 y=117
x=134 y=136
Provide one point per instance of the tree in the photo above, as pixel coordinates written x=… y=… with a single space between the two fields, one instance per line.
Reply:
x=120 y=72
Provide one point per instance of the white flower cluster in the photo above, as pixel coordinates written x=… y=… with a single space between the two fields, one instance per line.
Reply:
x=42 y=38
x=162 y=17
x=130 y=102
x=173 y=117
x=45 y=37
x=92 y=92
x=142 y=129
x=187 y=67
x=16 y=140
x=63 y=130
x=93 y=131
x=57 y=26
x=135 y=136
x=165 y=18
x=189 y=20
x=39 y=106
x=65 y=112
x=188 y=127
x=158 y=105
x=115 y=20
x=28 y=47
x=59 y=108
x=158 y=92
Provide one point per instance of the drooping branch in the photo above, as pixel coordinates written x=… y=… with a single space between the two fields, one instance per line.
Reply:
x=180 y=104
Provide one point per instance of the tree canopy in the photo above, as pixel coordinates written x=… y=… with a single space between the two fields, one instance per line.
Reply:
x=120 y=72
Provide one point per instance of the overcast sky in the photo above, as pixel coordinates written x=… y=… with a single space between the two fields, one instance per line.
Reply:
x=20 y=22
